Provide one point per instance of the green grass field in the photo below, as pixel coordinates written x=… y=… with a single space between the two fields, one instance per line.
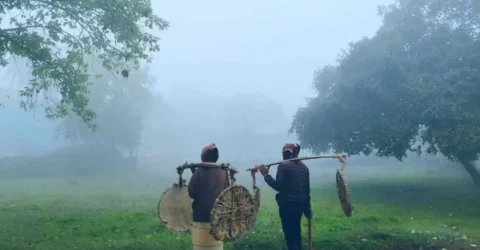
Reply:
x=120 y=213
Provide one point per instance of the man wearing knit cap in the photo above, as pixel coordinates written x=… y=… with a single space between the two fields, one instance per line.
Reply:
x=293 y=198
x=205 y=186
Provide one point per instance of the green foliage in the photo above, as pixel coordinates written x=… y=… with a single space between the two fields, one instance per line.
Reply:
x=122 y=105
x=416 y=80
x=55 y=35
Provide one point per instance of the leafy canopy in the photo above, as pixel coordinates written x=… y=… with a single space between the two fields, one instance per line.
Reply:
x=416 y=80
x=55 y=35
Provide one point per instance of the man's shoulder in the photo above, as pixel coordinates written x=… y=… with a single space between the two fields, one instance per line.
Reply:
x=211 y=173
x=292 y=164
x=297 y=165
x=285 y=164
x=302 y=164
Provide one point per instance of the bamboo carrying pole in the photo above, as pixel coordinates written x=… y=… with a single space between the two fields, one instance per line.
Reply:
x=341 y=157
x=206 y=164
x=224 y=166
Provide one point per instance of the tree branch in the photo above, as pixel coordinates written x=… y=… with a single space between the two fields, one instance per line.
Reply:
x=20 y=28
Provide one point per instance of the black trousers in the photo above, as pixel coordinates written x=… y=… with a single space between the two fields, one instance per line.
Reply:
x=291 y=215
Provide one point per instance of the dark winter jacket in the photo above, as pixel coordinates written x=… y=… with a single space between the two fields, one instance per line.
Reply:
x=292 y=184
x=205 y=186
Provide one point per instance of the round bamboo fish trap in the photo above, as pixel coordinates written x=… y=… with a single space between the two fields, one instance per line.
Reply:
x=175 y=208
x=233 y=213
x=343 y=193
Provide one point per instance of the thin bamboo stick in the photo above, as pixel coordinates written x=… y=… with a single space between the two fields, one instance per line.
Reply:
x=341 y=157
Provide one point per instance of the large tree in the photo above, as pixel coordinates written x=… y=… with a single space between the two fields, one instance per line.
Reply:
x=122 y=105
x=416 y=81
x=55 y=35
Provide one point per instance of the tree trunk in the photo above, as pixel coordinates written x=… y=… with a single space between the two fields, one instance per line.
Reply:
x=472 y=170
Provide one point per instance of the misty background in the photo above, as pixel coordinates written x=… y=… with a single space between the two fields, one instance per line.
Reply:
x=231 y=73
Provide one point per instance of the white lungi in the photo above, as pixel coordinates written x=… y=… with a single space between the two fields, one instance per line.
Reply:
x=202 y=239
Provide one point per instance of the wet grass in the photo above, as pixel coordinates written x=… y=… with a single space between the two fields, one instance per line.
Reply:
x=120 y=214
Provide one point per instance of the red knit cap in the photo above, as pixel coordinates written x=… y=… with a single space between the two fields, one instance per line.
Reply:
x=292 y=147
x=206 y=149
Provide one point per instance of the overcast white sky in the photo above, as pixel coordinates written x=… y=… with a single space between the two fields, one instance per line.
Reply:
x=270 y=46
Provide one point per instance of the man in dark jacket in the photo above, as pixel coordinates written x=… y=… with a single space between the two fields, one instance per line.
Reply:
x=293 y=186
x=205 y=186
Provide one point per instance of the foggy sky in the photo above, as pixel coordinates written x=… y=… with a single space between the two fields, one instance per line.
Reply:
x=270 y=46
x=217 y=49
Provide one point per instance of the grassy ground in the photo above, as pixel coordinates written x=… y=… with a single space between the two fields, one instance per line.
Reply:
x=121 y=214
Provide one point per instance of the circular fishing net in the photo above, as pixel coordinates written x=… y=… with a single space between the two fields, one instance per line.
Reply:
x=343 y=193
x=232 y=214
x=175 y=208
